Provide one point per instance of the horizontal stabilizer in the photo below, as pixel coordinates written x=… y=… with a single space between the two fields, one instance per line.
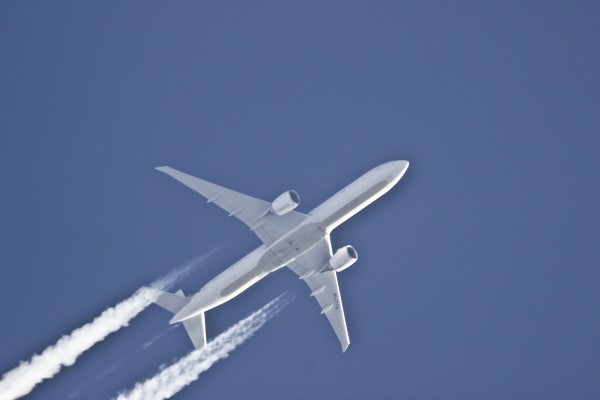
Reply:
x=196 y=330
x=172 y=302
x=195 y=327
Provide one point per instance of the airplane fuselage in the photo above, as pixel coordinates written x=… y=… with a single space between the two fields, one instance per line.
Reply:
x=299 y=240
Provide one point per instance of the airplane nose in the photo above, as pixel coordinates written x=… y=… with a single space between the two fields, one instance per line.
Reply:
x=397 y=169
x=401 y=165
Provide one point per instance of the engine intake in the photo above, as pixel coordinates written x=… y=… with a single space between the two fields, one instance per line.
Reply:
x=343 y=258
x=285 y=203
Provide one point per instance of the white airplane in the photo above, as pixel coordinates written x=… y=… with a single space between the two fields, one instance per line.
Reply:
x=300 y=241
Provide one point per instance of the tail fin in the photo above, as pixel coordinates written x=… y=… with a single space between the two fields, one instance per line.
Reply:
x=195 y=326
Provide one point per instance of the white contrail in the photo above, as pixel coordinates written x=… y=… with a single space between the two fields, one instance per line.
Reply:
x=119 y=363
x=22 y=379
x=186 y=370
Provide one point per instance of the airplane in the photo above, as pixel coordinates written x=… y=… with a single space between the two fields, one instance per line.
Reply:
x=289 y=238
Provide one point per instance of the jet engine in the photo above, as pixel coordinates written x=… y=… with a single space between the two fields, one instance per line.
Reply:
x=285 y=203
x=343 y=258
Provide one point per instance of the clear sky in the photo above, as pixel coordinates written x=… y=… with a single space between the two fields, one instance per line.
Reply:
x=478 y=275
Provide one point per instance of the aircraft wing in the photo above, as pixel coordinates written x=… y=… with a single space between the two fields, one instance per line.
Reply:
x=324 y=286
x=251 y=211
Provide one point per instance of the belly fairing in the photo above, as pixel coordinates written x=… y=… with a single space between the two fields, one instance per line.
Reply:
x=278 y=255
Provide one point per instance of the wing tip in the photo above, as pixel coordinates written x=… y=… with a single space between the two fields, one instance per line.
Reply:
x=345 y=346
x=162 y=168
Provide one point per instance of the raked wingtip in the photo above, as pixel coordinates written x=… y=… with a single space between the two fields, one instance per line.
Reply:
x=345 y=347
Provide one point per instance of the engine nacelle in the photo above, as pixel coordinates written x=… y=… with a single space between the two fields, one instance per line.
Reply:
x=343 y=258
x=285 y=203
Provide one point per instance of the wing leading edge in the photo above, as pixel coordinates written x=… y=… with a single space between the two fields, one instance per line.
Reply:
x=255 y=213
x=324 y=286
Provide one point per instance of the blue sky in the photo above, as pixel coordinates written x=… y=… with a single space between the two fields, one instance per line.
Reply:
x=477 y=275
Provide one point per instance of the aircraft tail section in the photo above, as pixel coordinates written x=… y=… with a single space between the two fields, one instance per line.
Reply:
x=196 y=330
x=172 y=302
x=195 y=326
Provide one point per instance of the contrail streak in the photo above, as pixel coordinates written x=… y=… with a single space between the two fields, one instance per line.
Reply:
x=119 y=363
x=186 y=370
x=22 y=379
